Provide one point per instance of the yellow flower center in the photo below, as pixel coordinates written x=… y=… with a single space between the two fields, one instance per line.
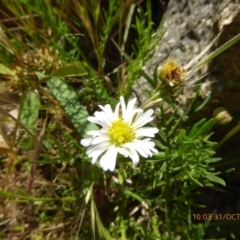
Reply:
x=120 y=132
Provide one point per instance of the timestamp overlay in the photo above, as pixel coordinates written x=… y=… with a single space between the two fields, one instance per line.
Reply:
x=216 y=216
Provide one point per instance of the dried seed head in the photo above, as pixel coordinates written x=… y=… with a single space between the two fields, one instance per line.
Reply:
x=41 y=59
x=171 y=74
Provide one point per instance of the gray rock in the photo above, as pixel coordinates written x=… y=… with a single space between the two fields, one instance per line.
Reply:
x=191 y=26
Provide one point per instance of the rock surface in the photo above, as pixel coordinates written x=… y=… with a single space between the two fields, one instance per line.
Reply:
x=191 y=26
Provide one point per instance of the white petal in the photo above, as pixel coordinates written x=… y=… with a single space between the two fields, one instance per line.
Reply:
x=104 y=121
x=123 y=106
x=98 y=120
x=124 y=151
x=127 y=112
x=148 y=146
x=142 y=120
x=128 y=119
x=108 y=160
x=130 y=106
x=86 y=141
x=137 y=147
x=93 y=120
x=94 y=133
x=116 y=112
x=108 y=112
x=102 y=146
x=144 y=147
x=96 y=154
x=134 y=156
x=100 y=139
x=154 y=150
x=113 y=155
x=146 y=132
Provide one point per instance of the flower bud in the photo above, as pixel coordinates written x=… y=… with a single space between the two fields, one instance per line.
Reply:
x=221 y=116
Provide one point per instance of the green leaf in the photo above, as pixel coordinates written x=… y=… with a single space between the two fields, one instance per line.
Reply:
x=93 y=217
x=205 y=101
x=181 y=136
x=207 y=137
x=162 y=136
x=40 y=75
x=103 y=232
x=128 y=58
x=128 y=23
x=134 y=195
x=194 y=180
x=30 y=105
x=215 y=179
x=205 y=128
x=163 y=167
x=219 y=50
x=196 y=127
x=5 y=70
x=66 y=95
x=213 y=160
x=148 y=78
x=184 y=149
x=22 y=193
x=175 y=126
x=71 y=70
x=6 y=194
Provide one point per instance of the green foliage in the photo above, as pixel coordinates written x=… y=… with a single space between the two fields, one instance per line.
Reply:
x=69 y=100
x=5 y=70
x=65 y=59
x=196 y=151
x=70 y=70
x=29 y=111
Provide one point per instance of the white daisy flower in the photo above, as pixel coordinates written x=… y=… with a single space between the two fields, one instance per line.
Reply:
x=122 y=132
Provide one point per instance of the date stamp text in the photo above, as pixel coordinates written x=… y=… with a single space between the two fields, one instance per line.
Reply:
x=216 y=216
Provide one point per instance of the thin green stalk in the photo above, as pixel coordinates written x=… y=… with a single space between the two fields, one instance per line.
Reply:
x=155 y=227
x=123 y=228
x=121 y=178
x=121 y=174
x=167 y=215
x=168 y=218
x=229 y=135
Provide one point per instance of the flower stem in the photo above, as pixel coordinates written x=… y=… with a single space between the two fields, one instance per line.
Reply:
x=227 y=136
x=121 y=179
x=121 y=173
